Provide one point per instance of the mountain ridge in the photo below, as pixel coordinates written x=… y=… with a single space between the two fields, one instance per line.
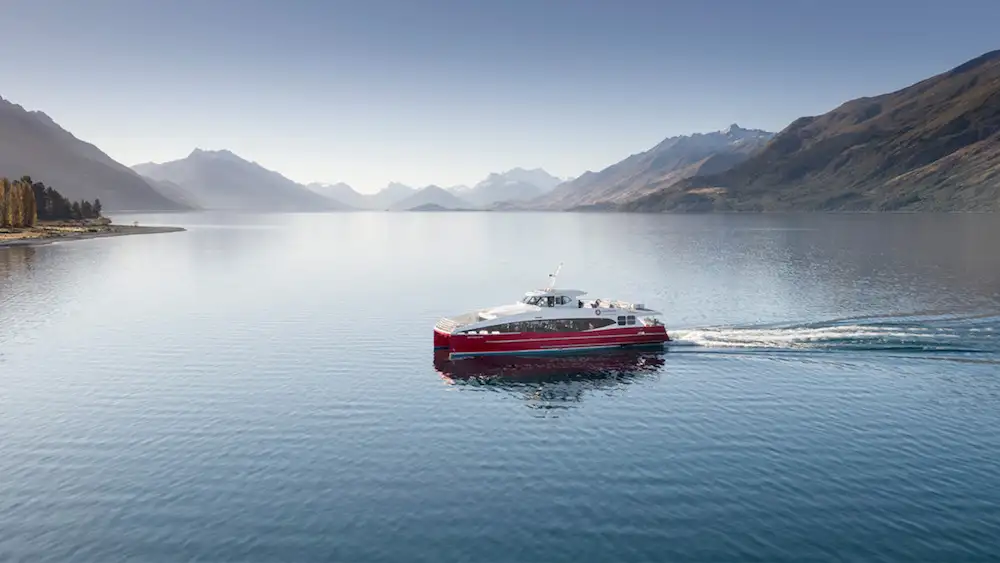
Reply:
x=222 y=180
x=344 y=193
x=671 y=159
x=931 y=146
x=431 y=195
x=516 y=184
x=33 y=144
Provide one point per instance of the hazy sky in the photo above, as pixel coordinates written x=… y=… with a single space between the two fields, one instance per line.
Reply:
x=445 y=91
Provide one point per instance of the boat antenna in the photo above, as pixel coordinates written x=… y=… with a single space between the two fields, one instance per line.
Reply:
x=552 y=277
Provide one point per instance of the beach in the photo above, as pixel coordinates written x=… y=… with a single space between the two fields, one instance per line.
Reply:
x=47 y=234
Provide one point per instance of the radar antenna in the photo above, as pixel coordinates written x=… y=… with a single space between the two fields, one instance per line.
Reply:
x=552 y=276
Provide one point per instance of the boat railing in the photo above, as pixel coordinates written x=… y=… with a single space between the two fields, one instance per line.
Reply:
x=447 y=325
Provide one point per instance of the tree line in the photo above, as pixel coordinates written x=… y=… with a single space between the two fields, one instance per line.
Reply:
x=23 y=203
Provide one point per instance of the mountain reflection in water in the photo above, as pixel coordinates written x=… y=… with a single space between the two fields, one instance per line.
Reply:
x=551 y=382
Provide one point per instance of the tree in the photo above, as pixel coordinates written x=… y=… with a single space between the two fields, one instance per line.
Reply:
x=41 y=203
x=17 y=211
x=5 y=189
x=59 y=207
x=24 y=202
x=29 y=211
x=17 y=204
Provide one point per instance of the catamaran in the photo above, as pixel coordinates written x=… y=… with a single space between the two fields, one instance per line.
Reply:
x=550 y=320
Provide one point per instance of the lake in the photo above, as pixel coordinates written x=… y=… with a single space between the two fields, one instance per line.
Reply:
x=263 y=388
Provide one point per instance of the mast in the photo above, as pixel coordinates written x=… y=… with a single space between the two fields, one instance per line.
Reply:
x=552 y=277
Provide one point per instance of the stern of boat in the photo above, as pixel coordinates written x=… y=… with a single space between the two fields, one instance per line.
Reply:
x=442 y=332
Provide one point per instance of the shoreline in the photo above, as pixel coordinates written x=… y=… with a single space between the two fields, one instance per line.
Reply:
x=112 y=231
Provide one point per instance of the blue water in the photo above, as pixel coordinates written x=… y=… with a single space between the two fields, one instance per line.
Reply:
x=263 y=388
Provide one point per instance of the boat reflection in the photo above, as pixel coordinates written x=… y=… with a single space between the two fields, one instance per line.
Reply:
x=551 y=382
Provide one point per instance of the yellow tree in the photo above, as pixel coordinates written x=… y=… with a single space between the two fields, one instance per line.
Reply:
x=29 y=211
x=5 y=189
x=16 y=204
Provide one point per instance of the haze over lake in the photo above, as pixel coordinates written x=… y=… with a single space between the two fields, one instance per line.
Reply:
x=262 y=387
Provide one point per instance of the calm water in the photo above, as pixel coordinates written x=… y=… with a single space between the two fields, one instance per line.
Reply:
x=262 y=388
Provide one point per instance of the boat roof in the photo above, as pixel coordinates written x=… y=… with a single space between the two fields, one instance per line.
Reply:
x=553 y=291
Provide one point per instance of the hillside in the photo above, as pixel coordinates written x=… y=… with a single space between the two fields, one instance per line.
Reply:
x=32 y=144
x=174 y=192
x=431 y=195
x=932 y=146
x=516 y=184
x=222 y=180
x=672 y=159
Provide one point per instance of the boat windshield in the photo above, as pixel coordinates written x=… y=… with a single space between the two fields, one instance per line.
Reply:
x=546 y=300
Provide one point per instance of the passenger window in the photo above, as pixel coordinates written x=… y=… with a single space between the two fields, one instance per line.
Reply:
x=621 y=321
x=631 y=319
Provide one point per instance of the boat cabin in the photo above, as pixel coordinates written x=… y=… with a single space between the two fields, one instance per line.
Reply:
x=554 y=298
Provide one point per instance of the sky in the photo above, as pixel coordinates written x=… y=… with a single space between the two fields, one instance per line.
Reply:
x=446 y=91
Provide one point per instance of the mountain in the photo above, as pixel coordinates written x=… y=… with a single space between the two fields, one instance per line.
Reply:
x=516 y=184
x=431 y=195
x=344 y=194
x=672 y=159
x=932 y=146
x=174 y=192
x=434 y=207
x=222 y=180
x=459 y=189
x=341 y=193
x=32 y=144
x=391 y=195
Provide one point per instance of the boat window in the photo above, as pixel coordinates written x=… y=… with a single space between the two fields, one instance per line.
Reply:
x=555 y=325
x=621 y=321
x=531 y=300
x=631 y=319
x=592 y=324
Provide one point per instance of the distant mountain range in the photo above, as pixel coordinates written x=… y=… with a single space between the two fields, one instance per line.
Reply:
x=933 y=146
x=32 y=144
x=672 y=159
x=430 y=196
x=381 y=201
x=516 y=184
x=340 y=192
x=222 y=180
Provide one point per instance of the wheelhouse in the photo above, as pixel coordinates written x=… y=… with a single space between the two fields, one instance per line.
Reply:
x=553 y=298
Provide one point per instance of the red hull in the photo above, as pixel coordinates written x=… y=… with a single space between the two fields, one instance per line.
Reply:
x=462 y=345
x=441 y=339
